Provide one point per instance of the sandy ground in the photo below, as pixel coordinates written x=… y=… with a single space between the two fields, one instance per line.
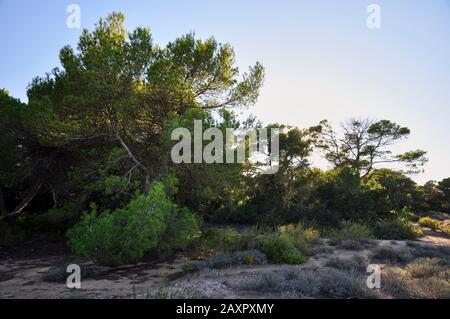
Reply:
x=36 y=270
x=40 y=276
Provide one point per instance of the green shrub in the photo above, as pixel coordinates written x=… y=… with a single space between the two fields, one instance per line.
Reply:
x=350 y=231
x=397 y=229
x=10 y=235
x=126 y=234
x=181 y=229
x=219 y=239
x=281 y=249
x=312 y=235
x=429 y=223
x=302 y=238
x=58 y=218
x=11 y=231
x=246 y=240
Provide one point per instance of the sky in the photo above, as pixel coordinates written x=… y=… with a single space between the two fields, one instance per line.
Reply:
x=321 y=59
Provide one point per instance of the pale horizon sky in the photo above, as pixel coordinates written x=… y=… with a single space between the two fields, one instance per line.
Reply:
x=321 y=60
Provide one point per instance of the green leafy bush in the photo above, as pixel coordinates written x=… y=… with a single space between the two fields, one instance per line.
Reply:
x=126 y=234
x=397 y=229
x=281 y=249
x=302 y=238
x=58 y=218
x=12 y=231
x=181 y=229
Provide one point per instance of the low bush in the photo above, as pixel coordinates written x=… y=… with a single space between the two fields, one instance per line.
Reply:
x=224 y=260
x=322 y=283
x=219 y=239
x=10 y=232
x=350 y=232
x=427 y=267
x=351 y=245
x=180 y=230
x=266 y=281
x=247 y=240
x=312 y=235
x=126 y=234
x=427 y=251
x=397 y=229
x=429 y=223
x=281 y=249
x=354 y=264
x=392 y=255
x=302 y=238
x=424 y=278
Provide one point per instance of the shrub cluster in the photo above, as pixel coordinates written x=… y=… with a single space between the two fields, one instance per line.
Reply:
x=285 y=244
x=124 y=235
x=397 y=229
x=349 y=233
x=322 y=283
x=281 y=249
x=423 y=278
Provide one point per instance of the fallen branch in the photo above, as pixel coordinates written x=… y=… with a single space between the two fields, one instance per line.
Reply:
x=31 y=194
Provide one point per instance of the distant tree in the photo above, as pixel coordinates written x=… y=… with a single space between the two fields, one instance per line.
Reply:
x=366 y=144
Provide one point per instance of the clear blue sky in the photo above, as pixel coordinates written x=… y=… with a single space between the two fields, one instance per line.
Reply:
x=321 y=59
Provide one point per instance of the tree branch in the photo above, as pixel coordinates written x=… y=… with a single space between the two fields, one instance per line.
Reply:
x=136 y=161
x=31 y=194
